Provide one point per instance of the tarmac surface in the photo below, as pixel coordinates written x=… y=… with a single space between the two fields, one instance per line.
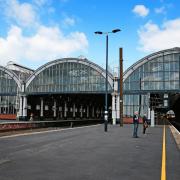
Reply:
x=89 y=153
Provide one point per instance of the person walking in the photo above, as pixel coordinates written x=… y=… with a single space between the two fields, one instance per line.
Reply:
x=145 y=124
x=31 y=117
x=136 y=124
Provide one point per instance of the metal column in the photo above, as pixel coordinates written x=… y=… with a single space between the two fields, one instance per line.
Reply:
x=42 y=109
x=93 y=112
x=87 y=111
x=113 y=109
x=24 y=107
x=121 y=86
x=81 y=111
x=21 y=107
x=118 y=108
x=74 y=111
x=54 y=109
x=65 y=110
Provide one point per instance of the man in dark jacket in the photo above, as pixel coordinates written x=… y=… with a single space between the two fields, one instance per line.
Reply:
x=136 y=124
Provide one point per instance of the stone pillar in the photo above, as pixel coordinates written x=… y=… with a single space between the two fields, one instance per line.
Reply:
x=25 y=107
x=74 y=111
x=81 y=111
x=117 y=108
x=152 y=118
x=60 y=110
x=87 y=111
x=65 y=109
x=149 y=113
x=54 y=109
x=149 y=109
x=42 y=109
x=97 y=112
x=20 y=107
x=93 y=112
x=8 y=105
x=115 y=84
x=113 y=109
x=166 y=100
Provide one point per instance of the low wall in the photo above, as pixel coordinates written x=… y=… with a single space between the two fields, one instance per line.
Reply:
x=9 y=126
x=7 y=116
x=16 y=126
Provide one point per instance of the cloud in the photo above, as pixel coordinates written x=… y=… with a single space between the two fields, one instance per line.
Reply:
x=51 y=10
x=41 y=44
x=22 y=14
x=141 y=10
x=68 y=21
x=41 y=2
x=160 y=10
x=154 y=38
x=48 y=43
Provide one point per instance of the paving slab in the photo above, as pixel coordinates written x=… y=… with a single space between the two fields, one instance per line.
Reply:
x=89 y=153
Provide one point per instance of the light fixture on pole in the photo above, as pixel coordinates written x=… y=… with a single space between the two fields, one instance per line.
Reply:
x=106 y=94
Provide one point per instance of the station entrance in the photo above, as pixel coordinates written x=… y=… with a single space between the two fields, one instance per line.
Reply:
x=175 y=104
x=162 y=103
x=159 y=103
x=67 y=106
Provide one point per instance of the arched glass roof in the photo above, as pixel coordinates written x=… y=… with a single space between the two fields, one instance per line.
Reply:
x=159 y=71
x=69 y=75
x=8 y=81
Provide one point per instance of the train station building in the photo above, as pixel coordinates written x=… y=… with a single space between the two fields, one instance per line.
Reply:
x=74 y=88
x=153 y=83
x=62 y=89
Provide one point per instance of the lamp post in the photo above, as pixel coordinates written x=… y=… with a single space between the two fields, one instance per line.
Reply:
x=106 y=94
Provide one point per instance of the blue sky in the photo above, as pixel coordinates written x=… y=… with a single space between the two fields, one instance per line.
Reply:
x=33 y=32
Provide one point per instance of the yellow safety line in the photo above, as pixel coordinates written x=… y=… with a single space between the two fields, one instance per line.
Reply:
x=163 y=167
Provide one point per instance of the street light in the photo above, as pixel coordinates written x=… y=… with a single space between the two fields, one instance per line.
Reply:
x=106 y=95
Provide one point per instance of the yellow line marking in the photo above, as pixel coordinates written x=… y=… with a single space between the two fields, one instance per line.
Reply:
x=163 y=167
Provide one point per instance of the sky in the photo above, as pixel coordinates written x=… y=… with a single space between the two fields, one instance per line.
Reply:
x=34 y=32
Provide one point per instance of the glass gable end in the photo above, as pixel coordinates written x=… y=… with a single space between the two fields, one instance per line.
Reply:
x=8 y=92
x=7 y=84
x=153 y=74
x=68 y=77
x=161 y=73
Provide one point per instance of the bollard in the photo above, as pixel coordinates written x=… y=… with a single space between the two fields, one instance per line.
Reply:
x=71 y=125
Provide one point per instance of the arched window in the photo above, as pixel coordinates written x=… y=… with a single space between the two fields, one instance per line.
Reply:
x=68 y=76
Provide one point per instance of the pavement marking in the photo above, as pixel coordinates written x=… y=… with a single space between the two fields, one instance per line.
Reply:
x=163 y=167
x=49 y=131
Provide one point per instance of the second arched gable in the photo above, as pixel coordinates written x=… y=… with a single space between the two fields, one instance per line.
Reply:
x=69 y=75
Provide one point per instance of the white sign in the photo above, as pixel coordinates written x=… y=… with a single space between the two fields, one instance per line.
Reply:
x=46 y=107
x=37 y=107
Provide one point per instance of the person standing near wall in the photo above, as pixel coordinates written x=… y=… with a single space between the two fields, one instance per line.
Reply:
x=31 y=116
x=136 y=124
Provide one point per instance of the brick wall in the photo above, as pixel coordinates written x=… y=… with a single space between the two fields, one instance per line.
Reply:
x=7 y=116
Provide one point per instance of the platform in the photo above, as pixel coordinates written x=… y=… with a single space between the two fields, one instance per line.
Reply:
x=10 y=125
x=89 y=153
